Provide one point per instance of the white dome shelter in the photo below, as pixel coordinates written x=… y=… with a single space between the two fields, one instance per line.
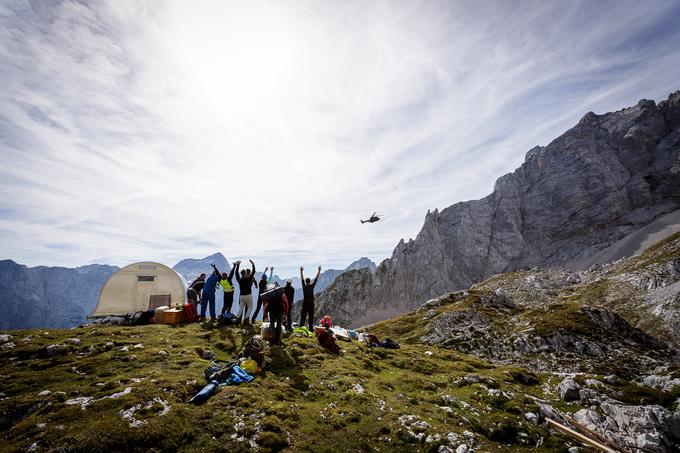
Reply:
x=139 y=287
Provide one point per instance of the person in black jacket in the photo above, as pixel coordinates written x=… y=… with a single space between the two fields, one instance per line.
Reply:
x=289 y=291
x=308 y=298
x=198 y=285
x=246 y=280
x=262 y=287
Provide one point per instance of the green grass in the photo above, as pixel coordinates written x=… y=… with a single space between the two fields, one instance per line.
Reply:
x=304 y=400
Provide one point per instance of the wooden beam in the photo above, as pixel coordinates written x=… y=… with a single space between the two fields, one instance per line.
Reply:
x=575 y=434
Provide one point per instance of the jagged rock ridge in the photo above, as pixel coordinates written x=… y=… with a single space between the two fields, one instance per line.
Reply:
x=602 y=180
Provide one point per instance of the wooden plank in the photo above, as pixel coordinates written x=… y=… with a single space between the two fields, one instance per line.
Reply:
x=588 y=432
x=581 y=437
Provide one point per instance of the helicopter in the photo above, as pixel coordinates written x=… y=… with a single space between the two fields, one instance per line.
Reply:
x=374 y=218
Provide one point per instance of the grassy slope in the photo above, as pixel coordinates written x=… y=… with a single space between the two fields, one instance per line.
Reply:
x=284 y=403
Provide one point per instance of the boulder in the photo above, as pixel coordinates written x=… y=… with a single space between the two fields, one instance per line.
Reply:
x=611 y=379
x=207 y=354
x=531 y=418
x=569 y=390
x=574 y=279
x=652 y=427
x=54 y=349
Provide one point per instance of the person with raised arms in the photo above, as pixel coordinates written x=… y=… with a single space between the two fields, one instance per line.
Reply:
x=246 y=280
x=227 y=284
x=208 y=296
x=308 y=298
x=262 y=287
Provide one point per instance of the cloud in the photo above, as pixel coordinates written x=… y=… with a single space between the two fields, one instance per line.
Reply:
x=134 y=130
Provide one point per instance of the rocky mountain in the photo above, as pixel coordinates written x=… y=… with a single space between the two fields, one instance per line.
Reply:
x=599 y=191
x=622 y=315
x=53 y=297
x=191 y=268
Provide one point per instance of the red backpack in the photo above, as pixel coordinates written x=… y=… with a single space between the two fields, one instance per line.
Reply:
x=190 y=312
x=327 y=340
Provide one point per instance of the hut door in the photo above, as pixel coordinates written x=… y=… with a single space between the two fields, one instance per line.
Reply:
x=146 y=285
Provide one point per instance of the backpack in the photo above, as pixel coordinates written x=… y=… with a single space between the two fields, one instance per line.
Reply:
x=190 y=312
x=327 y=340
x=253 y=349
x=389 y=344
x=140 y=318
x=229 y=319
x=372 y=340
x=274 y=298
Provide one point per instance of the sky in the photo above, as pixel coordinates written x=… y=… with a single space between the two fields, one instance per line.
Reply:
x=162 y=130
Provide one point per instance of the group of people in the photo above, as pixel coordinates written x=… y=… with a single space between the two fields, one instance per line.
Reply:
x=202 y=291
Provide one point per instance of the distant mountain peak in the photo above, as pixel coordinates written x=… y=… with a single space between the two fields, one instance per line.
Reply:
x=190 y=268
x=361 y=263
x=217 y=255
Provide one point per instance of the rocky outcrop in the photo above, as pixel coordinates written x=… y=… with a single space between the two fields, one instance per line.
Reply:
x=579 y=338
x=560 y=321
x=652 y=428
x=53 y=297
x=601 y=181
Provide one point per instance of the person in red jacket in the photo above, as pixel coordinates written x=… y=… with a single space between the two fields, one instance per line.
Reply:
x=276 y=306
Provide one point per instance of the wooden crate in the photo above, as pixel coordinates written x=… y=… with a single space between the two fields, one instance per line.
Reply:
x=173 y=316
